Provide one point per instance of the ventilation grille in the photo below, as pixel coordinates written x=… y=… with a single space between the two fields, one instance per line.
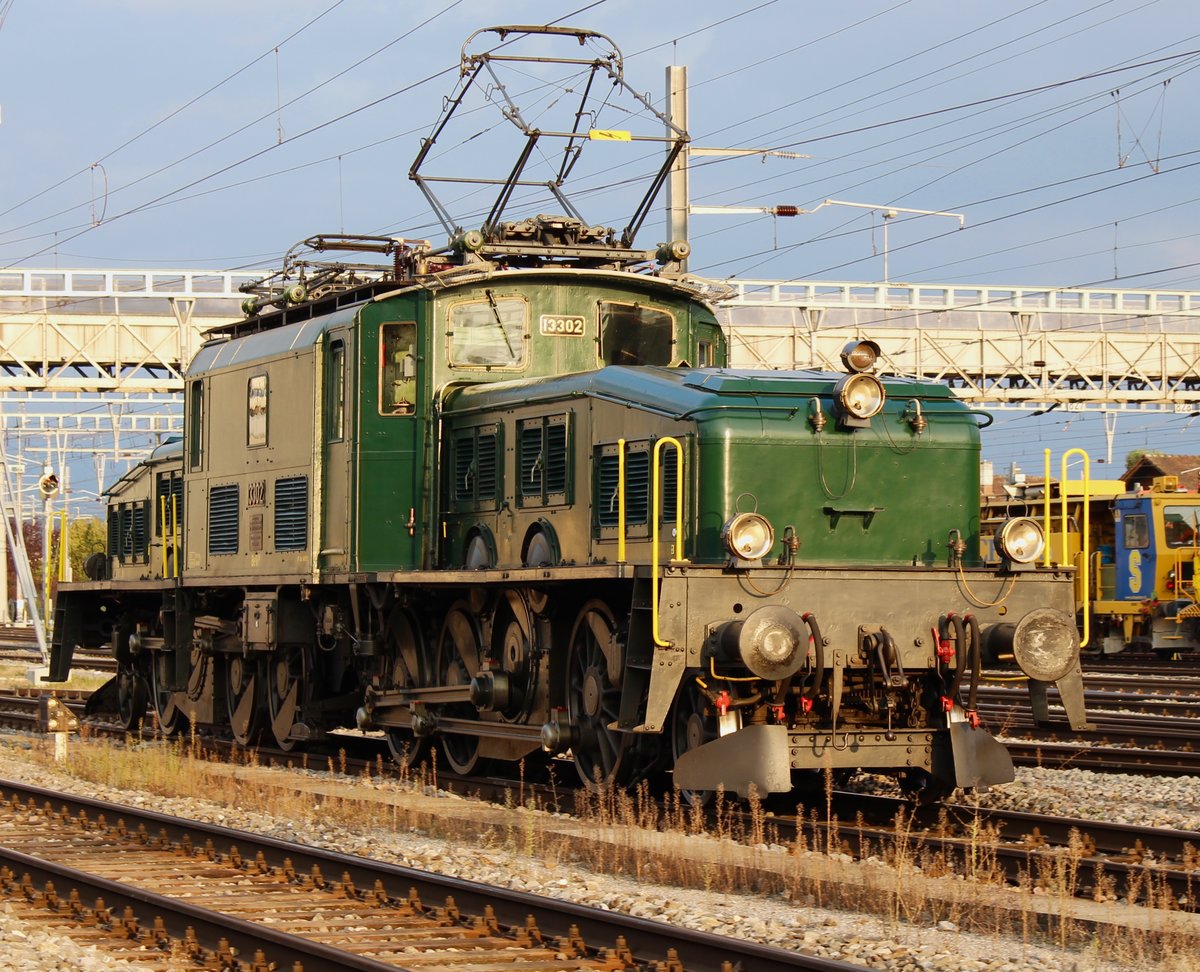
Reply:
x=223 y=519
x=607 y=486
x=114 y=532
x=291 y=513
x=170 y=488
x=477 y=466
x=637 y=489
x=487 y=467
x=668 y=476
x=556 y=459
x=532 y=460
x=464 y=468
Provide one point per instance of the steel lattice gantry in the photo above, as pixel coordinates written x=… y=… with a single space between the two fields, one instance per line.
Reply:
x=92 y=361
x=1003 y=346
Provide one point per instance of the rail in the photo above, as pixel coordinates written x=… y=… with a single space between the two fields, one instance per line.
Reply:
x=171 y=568
x=656 y=517
x=1085 y=564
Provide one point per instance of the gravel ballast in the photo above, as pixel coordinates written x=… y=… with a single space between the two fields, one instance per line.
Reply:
x=895 y=945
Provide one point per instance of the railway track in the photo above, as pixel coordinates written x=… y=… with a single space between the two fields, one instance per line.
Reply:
x=243 y=895
x=1022 y=841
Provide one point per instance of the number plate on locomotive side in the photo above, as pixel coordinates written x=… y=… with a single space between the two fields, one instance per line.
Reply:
x=556 y=325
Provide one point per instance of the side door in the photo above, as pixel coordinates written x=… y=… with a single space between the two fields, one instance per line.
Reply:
x=1135 y=553
x=338 y=378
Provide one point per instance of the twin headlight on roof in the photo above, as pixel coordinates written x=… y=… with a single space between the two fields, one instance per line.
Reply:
x=858 y=397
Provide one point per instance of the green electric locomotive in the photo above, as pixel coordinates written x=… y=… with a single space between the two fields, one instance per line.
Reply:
x=505 y=497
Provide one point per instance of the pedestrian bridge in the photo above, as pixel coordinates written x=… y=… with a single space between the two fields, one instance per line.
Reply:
x=130 y=333
x=1016 y=346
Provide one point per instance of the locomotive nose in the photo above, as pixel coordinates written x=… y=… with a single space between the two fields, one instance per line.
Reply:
x=771 y=642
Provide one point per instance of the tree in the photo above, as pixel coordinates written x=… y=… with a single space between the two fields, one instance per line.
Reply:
x=1134 y=456
x=88 y=536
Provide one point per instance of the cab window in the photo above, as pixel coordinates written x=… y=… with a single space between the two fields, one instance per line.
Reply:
x=631 y=334
x=335 y=392
x=398 y=369
x=489 y=333
x=256 y=411
x=196 y=424
x=1137 y=531
x=1180 y=525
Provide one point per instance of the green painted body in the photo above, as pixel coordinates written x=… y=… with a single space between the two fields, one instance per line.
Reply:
x=882 y=495
x=375 y=492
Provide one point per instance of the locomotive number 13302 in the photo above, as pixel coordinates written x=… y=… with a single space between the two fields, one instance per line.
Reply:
x=560 y=326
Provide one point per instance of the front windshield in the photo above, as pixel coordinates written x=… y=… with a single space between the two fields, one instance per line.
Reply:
x=631 y=334
x=490 y=333
x=1181 y=524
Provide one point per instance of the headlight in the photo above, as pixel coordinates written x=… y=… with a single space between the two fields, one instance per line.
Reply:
x=1046 y=644
x=860 y=396
x=748 y=536
x=860 y=355
x=772 y=642
x=1021 y=540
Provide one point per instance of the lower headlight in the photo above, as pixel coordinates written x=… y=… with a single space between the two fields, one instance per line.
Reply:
x=860 y=396
x=748 y=536
x=1045 y=644
x=1021 y=540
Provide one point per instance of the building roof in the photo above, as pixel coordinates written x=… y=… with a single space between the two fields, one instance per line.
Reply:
x=1186 y=468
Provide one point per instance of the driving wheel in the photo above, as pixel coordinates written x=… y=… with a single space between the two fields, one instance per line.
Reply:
x=404 y=653
x=458 y=660
x=693 y=723
x=595 y=663
x=287 y=683
x=171 y=719
x=132 y=697
x=242 y=699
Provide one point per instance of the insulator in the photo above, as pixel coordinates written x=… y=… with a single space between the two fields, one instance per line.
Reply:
x=786 y=211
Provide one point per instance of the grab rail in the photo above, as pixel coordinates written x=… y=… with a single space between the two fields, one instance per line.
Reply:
x=1085 y=536
x=656 y=515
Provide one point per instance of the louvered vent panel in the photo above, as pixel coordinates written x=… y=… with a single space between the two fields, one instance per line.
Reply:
x=223 y=519
x=464 y=468
x=637 y=487
x=668 y=476
x=531 y=460
x=140 y=539
x=291 y=513
x=556 y=459
x=114 y=533
x=126 y=532
x=607 y=478
x=486 y=465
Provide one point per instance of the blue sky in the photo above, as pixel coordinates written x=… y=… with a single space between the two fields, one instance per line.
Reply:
x=184 y=134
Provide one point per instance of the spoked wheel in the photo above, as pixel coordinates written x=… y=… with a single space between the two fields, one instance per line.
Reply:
x=170 y=716
x=404 y=652
x=595 y=666
x=287 y=684
x=458 y=659
x=693 y=723
x=242 y=699
x=132 y=697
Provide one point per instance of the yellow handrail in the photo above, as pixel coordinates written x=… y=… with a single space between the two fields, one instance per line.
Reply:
x=1046 y=510
x=1085 y=537
x=656 y=515
x=620 y=501
x=63 y=545
x=174 y=536
x=162 y=509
